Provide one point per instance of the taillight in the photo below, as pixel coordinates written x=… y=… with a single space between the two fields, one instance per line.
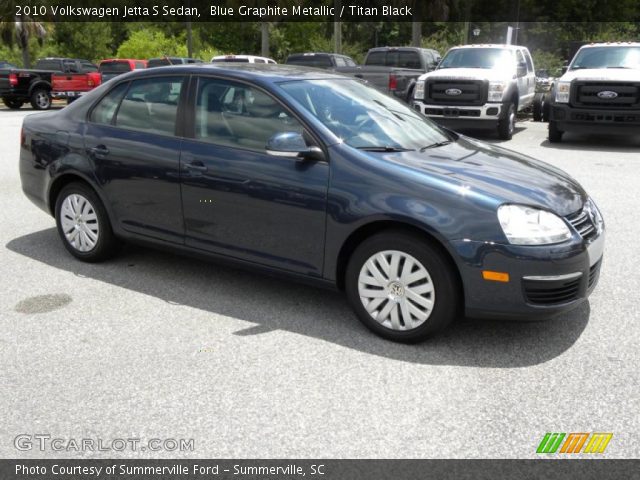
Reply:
x=393 y=82
x=13 y=79
x=90 y=82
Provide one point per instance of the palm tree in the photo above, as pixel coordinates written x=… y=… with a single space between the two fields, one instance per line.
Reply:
x=18 y=30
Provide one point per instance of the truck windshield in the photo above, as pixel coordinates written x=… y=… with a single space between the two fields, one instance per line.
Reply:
x=477 y=58
x=607 y=57
x=363 y=117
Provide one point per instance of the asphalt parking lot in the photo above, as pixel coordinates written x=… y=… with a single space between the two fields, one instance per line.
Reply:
x=152 y=345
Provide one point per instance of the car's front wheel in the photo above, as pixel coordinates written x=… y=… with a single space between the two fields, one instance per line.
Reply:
x=83 y=224
x=402 y=287
x=507 y=124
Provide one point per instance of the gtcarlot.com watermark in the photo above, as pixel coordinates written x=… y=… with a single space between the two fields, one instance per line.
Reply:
x=44 y=442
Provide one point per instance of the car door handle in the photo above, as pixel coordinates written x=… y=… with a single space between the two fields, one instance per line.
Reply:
x=100 y=151
x=197 y=166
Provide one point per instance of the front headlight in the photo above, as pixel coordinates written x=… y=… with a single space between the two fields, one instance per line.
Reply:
x=530 y=226
x=596 y=216
x=418 y=93
x=496 y=91
x=562 y=92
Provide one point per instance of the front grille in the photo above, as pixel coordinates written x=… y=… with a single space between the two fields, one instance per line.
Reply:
x=585 y=94
x=472 y=92
x=583 y=224
x=594 y=273
x=595 y=117
x=551 y=293
x=452 y=112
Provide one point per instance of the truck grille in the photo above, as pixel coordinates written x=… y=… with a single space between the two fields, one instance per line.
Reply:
x=472 y=92
x=618 y=94
x=583 y=224
x=551 y=293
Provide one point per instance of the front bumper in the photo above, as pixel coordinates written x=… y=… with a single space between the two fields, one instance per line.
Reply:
x=544 y=281
x=594 y=120
x=478 y=116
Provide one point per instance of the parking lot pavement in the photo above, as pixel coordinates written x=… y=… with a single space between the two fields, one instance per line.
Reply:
x=152 y=345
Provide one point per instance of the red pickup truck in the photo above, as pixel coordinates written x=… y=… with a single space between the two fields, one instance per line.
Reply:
x=77 y=78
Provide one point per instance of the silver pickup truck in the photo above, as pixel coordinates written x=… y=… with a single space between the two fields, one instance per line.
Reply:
x=478 y=86
x=394 y=70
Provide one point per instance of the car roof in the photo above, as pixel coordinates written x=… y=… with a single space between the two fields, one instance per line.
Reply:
x=612 y=44
x=231 y=55
x=263 y=72
x=490 y=45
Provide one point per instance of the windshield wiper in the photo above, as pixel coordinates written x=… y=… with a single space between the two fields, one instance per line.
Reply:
x=627 y=68
x=437 y=144
x=385 y=148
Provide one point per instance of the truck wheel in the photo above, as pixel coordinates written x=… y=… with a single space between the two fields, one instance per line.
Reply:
x=555 y=135
x=538 y=107
x=545 y=111
x=41 y=99
x=12 y=103
x=507 y=125
x=401 y=287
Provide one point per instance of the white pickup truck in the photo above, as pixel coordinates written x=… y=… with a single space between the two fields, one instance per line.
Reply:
x=478 y=86
x=599 y=92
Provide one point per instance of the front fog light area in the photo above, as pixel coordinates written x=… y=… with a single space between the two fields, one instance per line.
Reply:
x=524 y=225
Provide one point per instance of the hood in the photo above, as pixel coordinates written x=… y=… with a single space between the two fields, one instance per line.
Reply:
x=606 y=74
x=469 y=74
x=495 y=174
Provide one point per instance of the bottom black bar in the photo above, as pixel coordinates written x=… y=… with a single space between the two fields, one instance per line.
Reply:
x=65 y=469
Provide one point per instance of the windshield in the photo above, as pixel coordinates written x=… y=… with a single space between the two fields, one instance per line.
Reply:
x=477 y=58
x=607 y=57
x=364 y=117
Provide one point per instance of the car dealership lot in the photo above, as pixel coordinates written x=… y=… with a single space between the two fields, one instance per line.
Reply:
x=152 y=345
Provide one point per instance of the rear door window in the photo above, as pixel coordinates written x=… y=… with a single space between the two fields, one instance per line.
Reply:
x=104 y=111
x=376 y=58
x=151 y=105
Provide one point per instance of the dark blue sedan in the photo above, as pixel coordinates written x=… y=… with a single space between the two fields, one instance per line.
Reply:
x=320 y=178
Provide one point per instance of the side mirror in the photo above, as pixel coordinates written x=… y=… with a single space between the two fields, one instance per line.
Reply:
x=522 y=69
x=292 y=144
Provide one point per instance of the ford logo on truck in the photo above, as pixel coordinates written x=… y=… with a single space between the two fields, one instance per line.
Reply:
x=453 y=91
x=607 y=94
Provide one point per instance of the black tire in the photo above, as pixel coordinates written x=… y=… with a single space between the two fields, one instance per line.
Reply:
x=446 y=297
x=41 y=99
x=555 y=135
x=545 y=111
x=507 y=124
x=106 y=244
x=12 y=103
x=538 y=107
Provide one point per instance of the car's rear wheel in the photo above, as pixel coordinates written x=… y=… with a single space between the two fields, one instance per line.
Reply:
x=507 y=124
x=41 y=99
x=83 y=224
x=402 y=287
x=555 y=135
x=12 y=103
